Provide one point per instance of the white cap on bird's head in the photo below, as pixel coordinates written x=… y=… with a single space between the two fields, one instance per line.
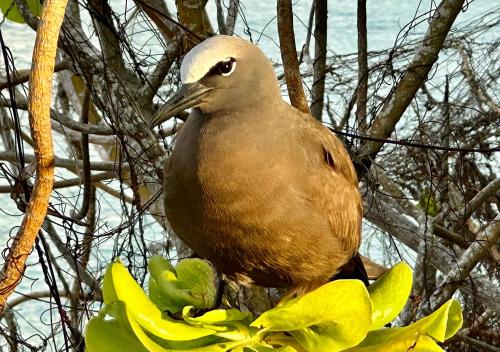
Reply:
x=222 y=73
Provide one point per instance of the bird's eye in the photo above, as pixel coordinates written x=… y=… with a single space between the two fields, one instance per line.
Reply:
x=226 y=67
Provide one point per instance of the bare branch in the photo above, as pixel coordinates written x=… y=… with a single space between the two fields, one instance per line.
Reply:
x=155 y=79
x=478 y=200
x=362 y=89
x=412 y=80
x=101 y=13
x=390 y=219
x=158 y=11
x=23 y=75
x=232 y=14
x=65 y=163
x=220 y=17
x=11 y=333
x=87 y=186
x=40 y=97
x=77 y=181
x=476 y=251
x=289 y=56
x=477 y=343
x=194 y=16
x=476 y=88
x=319 y=65
x=60 y=119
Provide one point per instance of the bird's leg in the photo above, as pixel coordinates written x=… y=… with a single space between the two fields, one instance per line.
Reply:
x=221 y=284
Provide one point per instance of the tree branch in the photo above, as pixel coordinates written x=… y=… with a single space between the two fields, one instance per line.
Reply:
x=289 y=56
x=22 y=76
x=158 y=11
x=40 y=93
x=69 y=164
x=477 y=201
x=221 y=22
x=412 y=80
x=57 y=118
x=476 y=251
x=391 y=219
x=476 y=88
x=362 y=89
x=319 y=65
x=232 y=15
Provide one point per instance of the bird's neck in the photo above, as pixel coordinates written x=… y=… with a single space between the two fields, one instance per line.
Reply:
x=247 y=110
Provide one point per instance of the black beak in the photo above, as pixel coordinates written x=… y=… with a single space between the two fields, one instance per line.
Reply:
x=188 y=96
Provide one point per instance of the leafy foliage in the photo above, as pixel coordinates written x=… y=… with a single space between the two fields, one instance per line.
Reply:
x=339 y=316
x=428 y=202
x=11 y=11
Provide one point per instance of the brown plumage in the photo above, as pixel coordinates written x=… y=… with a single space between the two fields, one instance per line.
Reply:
x=263 y=191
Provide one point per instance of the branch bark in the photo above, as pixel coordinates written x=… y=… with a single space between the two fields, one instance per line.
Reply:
x=22 y=76
x=477 y=201
x=412 y=80
x=391 y=219
x=221 y=22
x=476 y=251
x=40 y=93
x=289 y=56
x=232 y=14
x=319 y=65
x=476 y=88
x=362 y=90
x=158 y=11
x=69 y=164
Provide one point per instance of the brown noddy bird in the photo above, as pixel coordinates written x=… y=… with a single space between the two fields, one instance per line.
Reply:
x=262 y=190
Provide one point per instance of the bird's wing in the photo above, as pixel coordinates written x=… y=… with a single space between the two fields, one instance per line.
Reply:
x=332 y=181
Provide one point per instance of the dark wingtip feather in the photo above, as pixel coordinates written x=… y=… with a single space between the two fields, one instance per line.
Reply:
x=353 y=269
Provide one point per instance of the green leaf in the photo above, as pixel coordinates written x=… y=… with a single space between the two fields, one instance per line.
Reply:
x=109 y=336
x=428 y=202
x=108 y=288
x=191 y=283
x=120 y=285
x=198 y=276
x=333 y=317
x=164 y=301
x=215 y=316
x=11 y=11
x=421 y=335
x=443 y=323
x=230 y=324
x=121 y=312
x=205 y=341
x=125 y=326
x=389 y=294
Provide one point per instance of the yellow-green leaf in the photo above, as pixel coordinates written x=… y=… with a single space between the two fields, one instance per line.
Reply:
x=334 y=317
x=439 y=326
x=389 y=294
x=119 y=284
x=230 y=324
x=191 y=283
x=109 y=336
x=215 y=316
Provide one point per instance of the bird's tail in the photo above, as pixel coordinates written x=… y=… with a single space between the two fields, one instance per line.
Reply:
x=353 y=269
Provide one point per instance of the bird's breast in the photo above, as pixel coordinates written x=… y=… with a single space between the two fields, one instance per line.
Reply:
x=244 y=201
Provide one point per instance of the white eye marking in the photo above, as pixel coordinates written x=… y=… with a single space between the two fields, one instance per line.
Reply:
x=205 y=56
x=226 y=67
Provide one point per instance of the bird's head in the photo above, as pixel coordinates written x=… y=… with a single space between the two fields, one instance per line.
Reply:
x=222 y=73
